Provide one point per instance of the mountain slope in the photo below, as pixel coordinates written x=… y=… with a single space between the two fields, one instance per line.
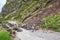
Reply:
x=21 y=9
x=51 y=9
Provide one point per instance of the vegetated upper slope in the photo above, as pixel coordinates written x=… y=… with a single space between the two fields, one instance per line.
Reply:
x=21 y=9
x=0 y=17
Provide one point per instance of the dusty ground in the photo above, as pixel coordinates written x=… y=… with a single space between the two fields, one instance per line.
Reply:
x=38 y=35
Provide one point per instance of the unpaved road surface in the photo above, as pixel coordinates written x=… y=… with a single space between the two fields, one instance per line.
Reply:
x=37 y=35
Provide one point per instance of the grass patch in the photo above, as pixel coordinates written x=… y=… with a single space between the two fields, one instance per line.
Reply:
x=51 y=22
x=4 y=35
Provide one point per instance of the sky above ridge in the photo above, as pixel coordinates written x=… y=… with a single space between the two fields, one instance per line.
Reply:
x=2 y=3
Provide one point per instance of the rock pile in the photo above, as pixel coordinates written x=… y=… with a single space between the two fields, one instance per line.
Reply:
x=11 y=28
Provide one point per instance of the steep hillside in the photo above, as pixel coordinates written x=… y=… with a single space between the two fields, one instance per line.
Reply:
x=51 y=9
x=30 y=11
x=21 y=9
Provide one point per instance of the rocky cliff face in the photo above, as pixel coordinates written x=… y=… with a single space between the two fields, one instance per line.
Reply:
x=21 y=9
x=51 y=9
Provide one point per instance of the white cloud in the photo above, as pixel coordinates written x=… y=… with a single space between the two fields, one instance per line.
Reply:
x=2 y=3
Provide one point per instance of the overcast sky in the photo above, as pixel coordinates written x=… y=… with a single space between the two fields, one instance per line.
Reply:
x=2 y=3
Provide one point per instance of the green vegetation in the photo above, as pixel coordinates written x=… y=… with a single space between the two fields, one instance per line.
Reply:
x=51 y=22
x=4 y=35
x=1 y=17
